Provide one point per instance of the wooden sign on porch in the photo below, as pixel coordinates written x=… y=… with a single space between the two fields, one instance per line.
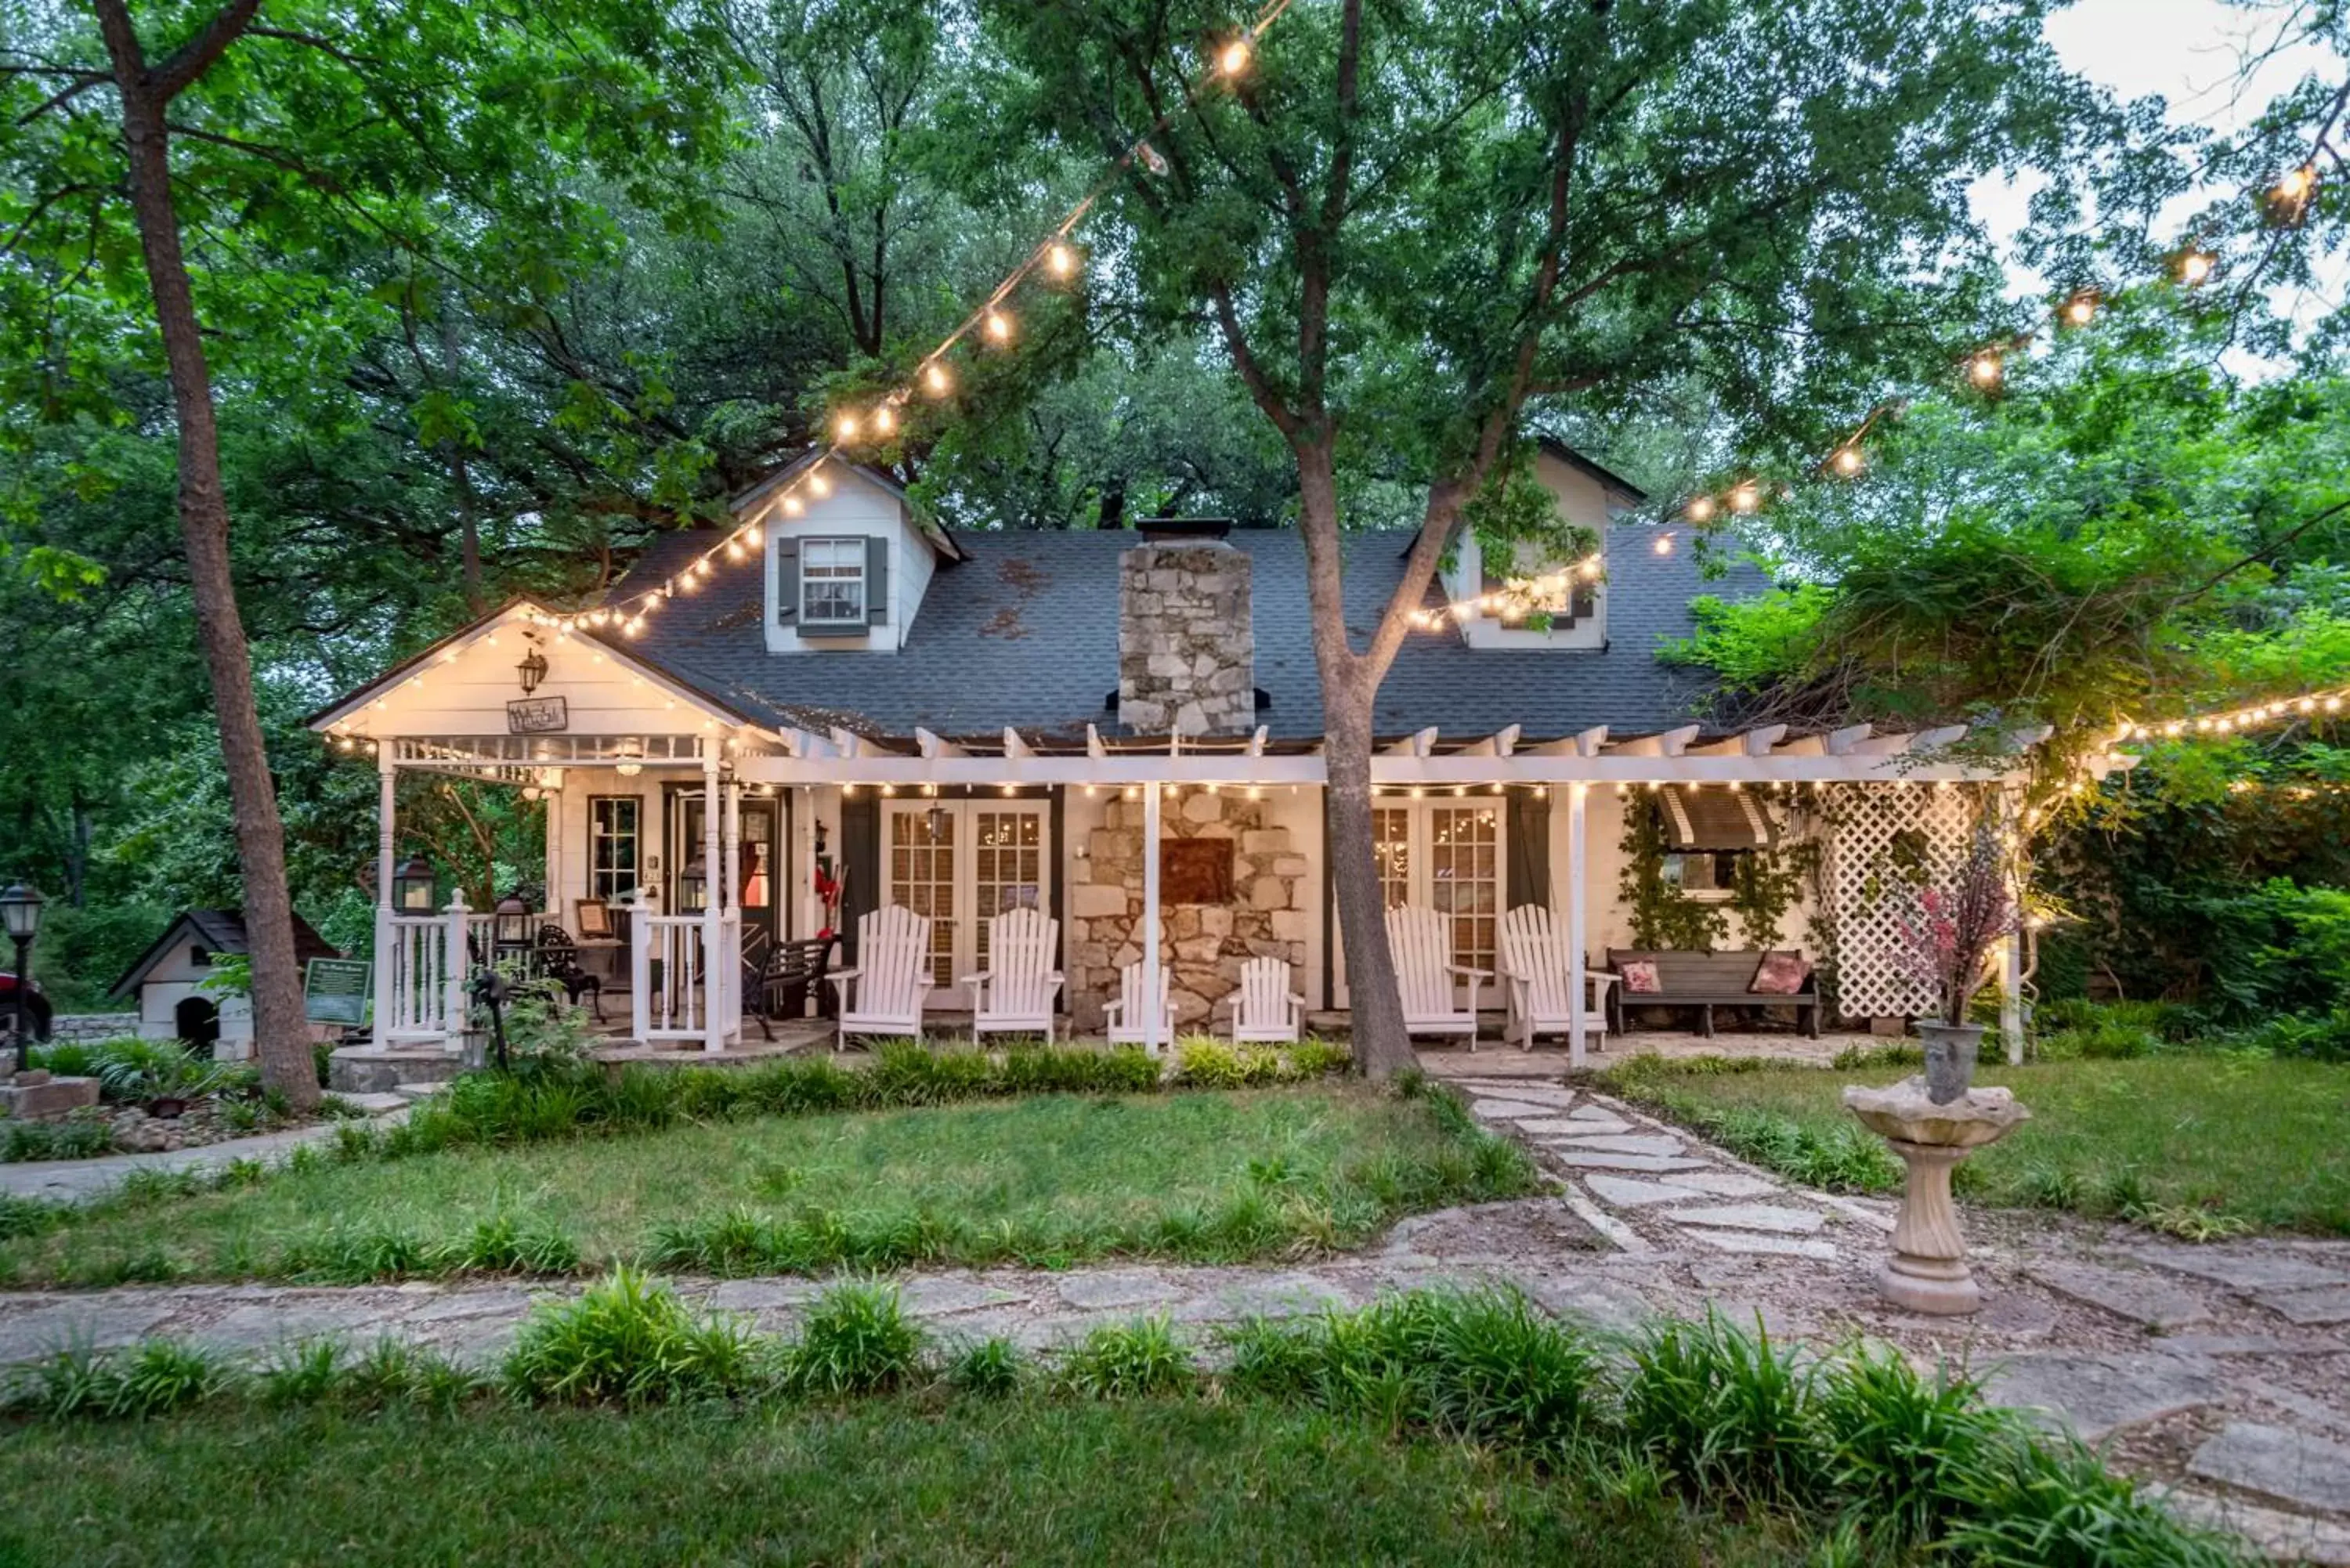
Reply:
x=537 y=715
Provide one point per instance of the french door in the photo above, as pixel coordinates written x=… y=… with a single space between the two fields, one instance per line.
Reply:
x=1446 y=856
x=959 y=862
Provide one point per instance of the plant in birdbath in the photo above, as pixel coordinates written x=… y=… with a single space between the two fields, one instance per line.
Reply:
x=1945 y=943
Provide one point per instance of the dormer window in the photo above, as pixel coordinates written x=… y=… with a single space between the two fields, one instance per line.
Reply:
x=832 y=584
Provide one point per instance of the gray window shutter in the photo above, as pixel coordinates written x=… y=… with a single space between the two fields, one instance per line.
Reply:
x=787 y=581
x=1527 y=824
x=876 y=580
x=860 y=865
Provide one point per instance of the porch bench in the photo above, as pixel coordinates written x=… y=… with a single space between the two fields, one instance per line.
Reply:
x=1705 y=981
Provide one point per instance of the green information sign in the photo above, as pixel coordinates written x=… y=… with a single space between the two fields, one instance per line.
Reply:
x=335 y=991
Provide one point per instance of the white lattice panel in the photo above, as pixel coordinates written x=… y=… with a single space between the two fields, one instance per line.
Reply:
x=1865 y=820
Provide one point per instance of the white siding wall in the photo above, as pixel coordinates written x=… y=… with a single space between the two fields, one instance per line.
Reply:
x=857 y=508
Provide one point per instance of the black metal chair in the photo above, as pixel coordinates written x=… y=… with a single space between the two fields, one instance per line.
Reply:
x=557 y=959
x=793 y=971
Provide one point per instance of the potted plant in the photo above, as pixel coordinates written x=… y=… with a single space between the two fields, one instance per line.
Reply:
x=1946 y=944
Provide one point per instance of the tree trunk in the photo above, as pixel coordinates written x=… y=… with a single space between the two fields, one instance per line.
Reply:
x=1350 y=687
x=281 y=1037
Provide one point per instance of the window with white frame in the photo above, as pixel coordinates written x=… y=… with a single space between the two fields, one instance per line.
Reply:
x=832 y=582
x=612 y=840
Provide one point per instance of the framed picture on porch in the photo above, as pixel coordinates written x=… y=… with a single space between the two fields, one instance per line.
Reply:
x=595 y=920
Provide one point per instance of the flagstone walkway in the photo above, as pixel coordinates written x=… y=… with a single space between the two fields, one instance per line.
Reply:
x=2221 y=1372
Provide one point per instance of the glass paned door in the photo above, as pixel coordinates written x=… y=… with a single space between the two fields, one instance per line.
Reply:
x=960 y=861
x=1445 y=856
x=922 y=841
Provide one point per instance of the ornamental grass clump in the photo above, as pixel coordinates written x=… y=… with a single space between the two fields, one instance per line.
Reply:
x=1725 y=1412
x=154 y=1378
x=856 y=1339
x=628 y=1340
x=1128 y=1360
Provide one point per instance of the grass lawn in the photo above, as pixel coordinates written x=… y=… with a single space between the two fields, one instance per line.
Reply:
x=2190 y=1142
x=906 y=1480
x=1047 y=1179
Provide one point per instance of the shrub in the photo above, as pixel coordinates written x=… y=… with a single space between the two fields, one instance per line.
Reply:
x=305 y=1374
x=499 y=1245
x=157 y=1377
x=66 y=1059
x=2047 y=1505
x=1316 y=1058
x=1120 y=1361
x=1719 y=1409
x=1899 y=1447
x=626 y=1339
x=29 y=1216
x=990 y=1368
x=856 y=1340
x=73 y=1138
x=131 y=1071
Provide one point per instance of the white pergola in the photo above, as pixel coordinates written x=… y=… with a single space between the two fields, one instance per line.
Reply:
x=1766 y=755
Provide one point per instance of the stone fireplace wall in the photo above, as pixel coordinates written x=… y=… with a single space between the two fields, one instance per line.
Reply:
x=1204 y=945
x=1185 y=647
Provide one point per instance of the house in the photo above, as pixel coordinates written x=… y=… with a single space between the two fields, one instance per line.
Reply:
x=842 y=698
x=175 y=981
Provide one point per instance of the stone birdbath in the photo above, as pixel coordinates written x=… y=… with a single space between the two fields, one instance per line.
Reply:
x=1927 y=1272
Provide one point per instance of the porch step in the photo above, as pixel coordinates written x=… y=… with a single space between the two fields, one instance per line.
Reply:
x=410 y=1094
x=364 y=1070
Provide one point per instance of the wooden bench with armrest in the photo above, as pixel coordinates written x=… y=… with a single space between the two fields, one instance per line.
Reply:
x=1705 y=981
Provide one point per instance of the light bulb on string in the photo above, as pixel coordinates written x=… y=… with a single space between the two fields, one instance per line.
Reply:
x=1061 y=259
x=1233 y=57
x=2194 y=266
x=998 y=326
x=792 y=506
x=2081 y=308
x=884 y=421
x=935 y=380
x=844 y=426
x=818 y=485
x=1699 y=509
x=1847 y=460
x=752 y=535
x=1663 y=545
x=1745 y=498
x=1987 y=369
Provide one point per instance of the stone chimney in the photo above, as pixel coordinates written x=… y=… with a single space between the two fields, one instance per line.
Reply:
x=1185 y=647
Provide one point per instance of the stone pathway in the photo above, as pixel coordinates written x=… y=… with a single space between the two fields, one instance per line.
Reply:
x=80 y=1180
x=2221 y=1372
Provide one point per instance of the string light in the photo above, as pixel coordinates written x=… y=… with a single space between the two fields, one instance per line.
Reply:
x=1056 y=256
x=1744 y=498
x=2082 y=308
x=2195 y=268
x=1986 y=369
x=1663 y=545
x=1700 y=508
x=1847 y=461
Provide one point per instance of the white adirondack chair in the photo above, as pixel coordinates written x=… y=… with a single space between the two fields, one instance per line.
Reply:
x=1015 y=994
x=1541 y=975
x=1264 y=1008
x=1421 y=941
x=1123 y=1016
x=892 y=976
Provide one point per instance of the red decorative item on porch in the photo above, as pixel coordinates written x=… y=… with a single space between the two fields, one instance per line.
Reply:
x=1780 y=974
x=828 y=893
x=1640 y=978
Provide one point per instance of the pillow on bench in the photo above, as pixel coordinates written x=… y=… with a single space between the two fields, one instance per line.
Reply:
x=1780 y=974
x=1640 y=977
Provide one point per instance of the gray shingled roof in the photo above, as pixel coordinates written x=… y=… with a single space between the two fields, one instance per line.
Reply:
x=1024 y=633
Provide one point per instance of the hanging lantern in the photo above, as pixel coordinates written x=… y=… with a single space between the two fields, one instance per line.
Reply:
x=411 y=887
x=532 y=670
x=511 y=920
x=694 y=886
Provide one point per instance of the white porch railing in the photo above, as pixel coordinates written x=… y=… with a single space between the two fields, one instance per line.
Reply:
x=699 y=997
x=420 y=998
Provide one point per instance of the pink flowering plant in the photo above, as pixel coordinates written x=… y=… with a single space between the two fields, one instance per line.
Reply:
x=1948 y=936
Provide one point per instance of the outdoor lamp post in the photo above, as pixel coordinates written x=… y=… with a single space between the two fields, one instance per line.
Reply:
x=411 y=887
x=20 y=916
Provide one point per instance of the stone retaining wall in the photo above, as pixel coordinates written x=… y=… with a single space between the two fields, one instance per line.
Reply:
x=93 y=1025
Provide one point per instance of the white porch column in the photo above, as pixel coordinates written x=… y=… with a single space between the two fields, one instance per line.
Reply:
x=640 y=966
x=2011 y=997
x=453 y=976
x=1150 y=985
x=734 y=1014
x=386 y=958
x=1578 y=1018
x=714 y=955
